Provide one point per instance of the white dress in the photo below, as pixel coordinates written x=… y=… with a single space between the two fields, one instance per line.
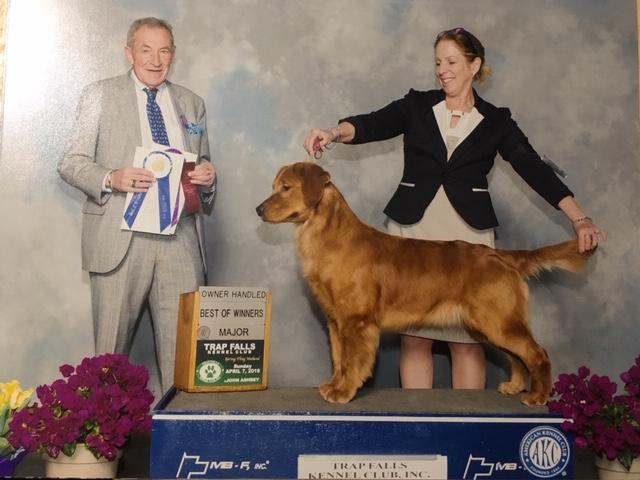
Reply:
x=440 y=220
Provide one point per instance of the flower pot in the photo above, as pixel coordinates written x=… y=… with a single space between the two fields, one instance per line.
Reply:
x=82 y=464
x=9 y=463
x=613 y=469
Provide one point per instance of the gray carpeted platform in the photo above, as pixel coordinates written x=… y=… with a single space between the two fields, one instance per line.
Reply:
x=394 y=400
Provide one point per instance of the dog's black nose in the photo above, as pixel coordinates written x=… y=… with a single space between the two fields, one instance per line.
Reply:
x=260 y=210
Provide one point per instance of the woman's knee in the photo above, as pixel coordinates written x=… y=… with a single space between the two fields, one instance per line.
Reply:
x=467 y=350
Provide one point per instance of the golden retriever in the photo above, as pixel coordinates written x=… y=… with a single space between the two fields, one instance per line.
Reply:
x=368 y=281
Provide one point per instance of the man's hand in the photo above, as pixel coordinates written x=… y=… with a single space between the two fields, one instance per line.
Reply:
x=203 y=174
x=130 y=179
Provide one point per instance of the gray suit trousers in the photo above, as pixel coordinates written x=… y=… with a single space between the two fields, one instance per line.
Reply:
x=156 y=268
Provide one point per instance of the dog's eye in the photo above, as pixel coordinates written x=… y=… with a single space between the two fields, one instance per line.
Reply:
x=286 y=188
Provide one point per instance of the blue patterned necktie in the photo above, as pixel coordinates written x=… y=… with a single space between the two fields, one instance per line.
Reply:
x=156 y=122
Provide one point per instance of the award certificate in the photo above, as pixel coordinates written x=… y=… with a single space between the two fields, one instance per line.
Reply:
x=158 y=209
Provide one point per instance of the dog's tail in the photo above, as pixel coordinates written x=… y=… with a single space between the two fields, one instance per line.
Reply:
x=563 y=255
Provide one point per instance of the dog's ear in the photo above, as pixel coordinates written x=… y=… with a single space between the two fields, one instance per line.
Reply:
x=313 y=179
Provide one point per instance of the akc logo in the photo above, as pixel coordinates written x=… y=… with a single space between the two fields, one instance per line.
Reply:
x=544 y=452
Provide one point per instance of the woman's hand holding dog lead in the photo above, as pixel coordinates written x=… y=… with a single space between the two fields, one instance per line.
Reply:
x=588 y=234
x=316 y=141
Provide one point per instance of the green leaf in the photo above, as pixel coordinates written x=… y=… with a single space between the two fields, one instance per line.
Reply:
x=5 y=447
x=95 y=453
x=4 y=419
x=69 y=449
x=626 y=459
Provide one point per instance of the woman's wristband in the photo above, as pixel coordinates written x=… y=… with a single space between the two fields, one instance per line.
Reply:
x=581 y=219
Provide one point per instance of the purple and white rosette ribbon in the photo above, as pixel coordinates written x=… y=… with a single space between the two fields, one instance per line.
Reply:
x=159 y=163
x=176 y=209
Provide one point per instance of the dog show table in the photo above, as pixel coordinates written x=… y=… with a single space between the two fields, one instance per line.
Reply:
x=382 y=434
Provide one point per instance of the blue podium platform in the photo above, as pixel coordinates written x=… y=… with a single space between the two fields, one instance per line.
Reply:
x=289 y=433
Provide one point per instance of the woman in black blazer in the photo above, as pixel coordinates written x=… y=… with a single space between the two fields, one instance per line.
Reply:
x=451 y=138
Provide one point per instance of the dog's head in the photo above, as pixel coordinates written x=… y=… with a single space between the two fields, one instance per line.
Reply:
x=297 y=190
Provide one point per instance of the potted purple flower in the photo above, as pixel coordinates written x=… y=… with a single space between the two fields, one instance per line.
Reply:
x=607 y=423
x=94 y=409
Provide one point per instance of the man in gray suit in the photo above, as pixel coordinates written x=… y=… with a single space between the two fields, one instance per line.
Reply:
x=128 y=269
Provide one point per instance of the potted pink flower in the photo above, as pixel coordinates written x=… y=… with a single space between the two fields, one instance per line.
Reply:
x=97 y=404
x=607 y=423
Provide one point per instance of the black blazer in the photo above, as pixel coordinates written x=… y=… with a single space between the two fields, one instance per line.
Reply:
x=425 y=158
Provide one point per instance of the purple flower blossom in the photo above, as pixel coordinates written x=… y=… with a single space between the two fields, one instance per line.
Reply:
x=100 y=402
x=607 y=423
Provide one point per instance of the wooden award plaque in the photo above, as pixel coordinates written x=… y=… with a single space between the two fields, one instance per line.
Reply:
x=223 y=339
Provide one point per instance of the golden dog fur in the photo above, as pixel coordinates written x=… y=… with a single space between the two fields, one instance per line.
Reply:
x=368 y=281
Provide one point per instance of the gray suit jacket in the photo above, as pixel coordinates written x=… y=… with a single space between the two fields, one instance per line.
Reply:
x=105 y=136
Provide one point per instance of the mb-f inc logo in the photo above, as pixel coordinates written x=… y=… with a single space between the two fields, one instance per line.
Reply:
x=191 y=466
x=544 y=452
x=478 y=467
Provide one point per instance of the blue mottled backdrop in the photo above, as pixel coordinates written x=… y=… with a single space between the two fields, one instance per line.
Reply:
x=268 y=71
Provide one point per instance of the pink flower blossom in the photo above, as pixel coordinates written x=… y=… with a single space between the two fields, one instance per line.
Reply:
x=100 y=402
x=609 y=424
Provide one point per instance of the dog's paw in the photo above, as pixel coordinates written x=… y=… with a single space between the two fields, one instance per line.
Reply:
x=509 y=388
x=534 y=399
x=324 y=389
x=333 y=394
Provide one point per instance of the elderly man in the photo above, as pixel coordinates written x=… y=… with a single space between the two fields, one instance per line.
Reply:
x=128 y=268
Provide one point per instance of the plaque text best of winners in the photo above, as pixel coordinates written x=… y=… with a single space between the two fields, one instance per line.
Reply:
x=223 y=339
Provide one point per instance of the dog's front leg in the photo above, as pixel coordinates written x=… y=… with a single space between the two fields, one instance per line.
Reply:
x=354 y=344
x=336 y=357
